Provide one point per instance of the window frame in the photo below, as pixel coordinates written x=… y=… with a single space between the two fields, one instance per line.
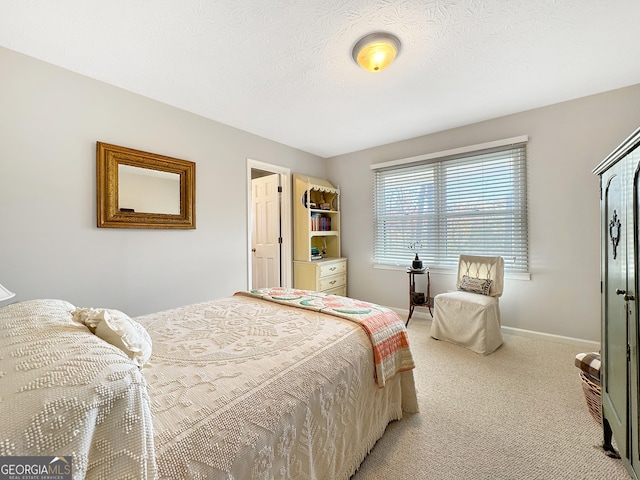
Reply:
x=512 y=216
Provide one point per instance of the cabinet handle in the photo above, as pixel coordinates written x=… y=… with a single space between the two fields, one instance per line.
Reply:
x=627 y=297
x=332 y=268
x=332 y=282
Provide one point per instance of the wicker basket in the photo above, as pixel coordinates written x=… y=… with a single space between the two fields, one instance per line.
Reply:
x=592 y=393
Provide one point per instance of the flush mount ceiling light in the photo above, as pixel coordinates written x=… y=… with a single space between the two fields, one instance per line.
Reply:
x=376 y=51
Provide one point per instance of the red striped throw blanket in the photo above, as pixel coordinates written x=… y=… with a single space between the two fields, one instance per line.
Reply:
x=391 y=353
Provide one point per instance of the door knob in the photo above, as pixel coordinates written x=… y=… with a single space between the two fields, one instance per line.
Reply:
x=253 y=250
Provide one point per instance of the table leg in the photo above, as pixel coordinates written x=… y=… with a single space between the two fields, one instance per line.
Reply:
x=411 y=307
x=429 y=294
x=412 y=287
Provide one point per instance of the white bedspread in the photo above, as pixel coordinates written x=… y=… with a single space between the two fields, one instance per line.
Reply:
x=246 y=389
x=64 y=391
x=236 y=389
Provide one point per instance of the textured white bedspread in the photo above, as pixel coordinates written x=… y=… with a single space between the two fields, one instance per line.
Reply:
x=236 y=389
x=246 y=389
x=64 y=391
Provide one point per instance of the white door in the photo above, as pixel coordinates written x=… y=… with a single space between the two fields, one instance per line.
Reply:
x=265 y=241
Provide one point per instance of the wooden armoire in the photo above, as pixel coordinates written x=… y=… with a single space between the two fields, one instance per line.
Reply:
x=620 y=372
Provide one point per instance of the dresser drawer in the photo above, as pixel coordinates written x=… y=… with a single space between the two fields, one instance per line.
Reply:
x=333 y=281
x=332 y=268
x=342 y=291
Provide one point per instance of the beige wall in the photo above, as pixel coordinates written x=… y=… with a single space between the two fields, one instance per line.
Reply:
x=50 y=120
x=566 y=141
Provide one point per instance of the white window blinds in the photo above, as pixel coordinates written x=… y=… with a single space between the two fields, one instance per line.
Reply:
x=473 y=203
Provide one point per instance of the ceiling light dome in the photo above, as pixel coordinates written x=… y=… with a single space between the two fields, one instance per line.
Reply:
x=376 y=51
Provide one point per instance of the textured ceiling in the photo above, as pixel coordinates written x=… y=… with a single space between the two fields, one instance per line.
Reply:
x=282 y=69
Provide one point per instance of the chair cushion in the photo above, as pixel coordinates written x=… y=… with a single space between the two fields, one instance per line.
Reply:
x=460 y=299
x=589 y=363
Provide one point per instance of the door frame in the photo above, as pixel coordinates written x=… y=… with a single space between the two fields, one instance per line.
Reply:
x=286 y=264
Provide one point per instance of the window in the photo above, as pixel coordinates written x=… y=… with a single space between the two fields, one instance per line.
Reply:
x=473 y=202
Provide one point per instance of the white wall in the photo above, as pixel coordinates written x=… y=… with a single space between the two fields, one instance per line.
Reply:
x=50 y=247
x=566 y=141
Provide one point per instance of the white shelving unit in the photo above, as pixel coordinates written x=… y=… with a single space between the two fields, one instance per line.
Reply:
x=317 y=264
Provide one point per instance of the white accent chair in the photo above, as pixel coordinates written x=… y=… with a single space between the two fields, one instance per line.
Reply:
x=465 y=317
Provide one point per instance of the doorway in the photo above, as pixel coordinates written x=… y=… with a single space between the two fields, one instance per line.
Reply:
x=268 y=225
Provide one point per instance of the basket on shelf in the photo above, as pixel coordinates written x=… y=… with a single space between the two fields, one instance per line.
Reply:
x=589 y=365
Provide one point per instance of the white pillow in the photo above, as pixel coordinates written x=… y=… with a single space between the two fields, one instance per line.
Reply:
x=118 y=329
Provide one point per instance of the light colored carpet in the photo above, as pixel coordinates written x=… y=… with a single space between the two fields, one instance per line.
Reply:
x=518 y=413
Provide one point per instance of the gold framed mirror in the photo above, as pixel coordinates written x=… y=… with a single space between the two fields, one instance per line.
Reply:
x=138 y=189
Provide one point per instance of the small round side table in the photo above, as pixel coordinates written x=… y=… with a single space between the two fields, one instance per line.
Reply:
x=418 y=299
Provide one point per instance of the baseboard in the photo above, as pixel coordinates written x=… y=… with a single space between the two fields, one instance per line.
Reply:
x=589 y=345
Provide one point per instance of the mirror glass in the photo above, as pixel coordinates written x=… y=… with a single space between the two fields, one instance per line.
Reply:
x=148 y=191
x=138 y=189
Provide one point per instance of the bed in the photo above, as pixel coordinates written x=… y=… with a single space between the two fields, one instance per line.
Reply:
x=276 y=383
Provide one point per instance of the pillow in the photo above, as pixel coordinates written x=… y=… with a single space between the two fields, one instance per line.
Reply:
x=475 y=285
x=119 y=330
